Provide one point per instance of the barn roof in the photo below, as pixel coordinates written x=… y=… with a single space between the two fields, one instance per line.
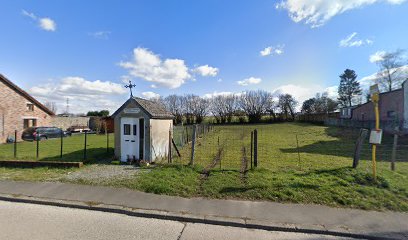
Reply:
x=153 y=109
x=25 y=94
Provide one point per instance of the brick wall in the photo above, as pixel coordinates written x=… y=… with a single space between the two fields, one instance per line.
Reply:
x=390 y=101
x=66 y=122
x=13 y=110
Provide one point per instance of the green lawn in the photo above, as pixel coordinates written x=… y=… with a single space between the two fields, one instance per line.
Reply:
x=322 y=176
x=73 y=149
x=318 y=171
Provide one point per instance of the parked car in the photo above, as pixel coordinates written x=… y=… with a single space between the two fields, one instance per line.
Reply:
x=43 y=133
x=78 y=129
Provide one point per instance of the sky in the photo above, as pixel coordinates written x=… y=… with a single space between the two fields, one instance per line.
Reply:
x=86 y=51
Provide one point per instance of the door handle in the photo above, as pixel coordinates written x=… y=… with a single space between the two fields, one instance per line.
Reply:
x=133 y=141
x=126 y=140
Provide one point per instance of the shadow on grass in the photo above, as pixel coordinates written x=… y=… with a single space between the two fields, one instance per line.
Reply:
x=344 y=145
x=227 y=190
x=349 y=175
x=93 y=155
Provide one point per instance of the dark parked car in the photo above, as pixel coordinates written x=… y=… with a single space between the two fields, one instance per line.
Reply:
x=42 y=133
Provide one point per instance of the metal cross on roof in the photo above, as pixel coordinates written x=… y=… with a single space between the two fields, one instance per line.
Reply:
x=130 y=86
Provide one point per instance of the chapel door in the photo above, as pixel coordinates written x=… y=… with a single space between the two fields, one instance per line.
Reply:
x=129 y=139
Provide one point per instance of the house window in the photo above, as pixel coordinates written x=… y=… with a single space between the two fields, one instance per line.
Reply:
x=391 y=114
x=30 y=107
x=126 y=129
x=29 y=123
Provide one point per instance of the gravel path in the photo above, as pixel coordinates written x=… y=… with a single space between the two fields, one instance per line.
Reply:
x=101 y=172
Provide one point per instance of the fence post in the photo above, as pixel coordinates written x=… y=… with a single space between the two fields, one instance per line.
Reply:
x=394 y=149
x=170 y=150
x=255 y=148
x=187 y=134
x=297 y=147
x=38 y=145
x=62 y=143
x=359 y=144
x=193 y=146
x=86 y=133
x=107 y=137
x=252 y=147
x=15 y=143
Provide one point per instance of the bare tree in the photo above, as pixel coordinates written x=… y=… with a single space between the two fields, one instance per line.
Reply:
x=199 y=108
x=231 y=106
x=390 y=75
x=271 y=107
x=189 y=108
x=52 y=106
x=218 y=108
x=173 y=104
x=287 y=103
x=254 y=104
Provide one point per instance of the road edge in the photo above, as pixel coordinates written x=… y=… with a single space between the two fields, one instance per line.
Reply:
x=184 y=217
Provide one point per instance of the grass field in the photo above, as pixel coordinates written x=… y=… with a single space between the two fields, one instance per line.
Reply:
x=318 y=171
x=323 y=175
x=73 y=149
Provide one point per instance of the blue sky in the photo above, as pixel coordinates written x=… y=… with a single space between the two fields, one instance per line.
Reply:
x=84 y=50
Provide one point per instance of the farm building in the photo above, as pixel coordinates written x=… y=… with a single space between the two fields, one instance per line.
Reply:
x=393 y=108
x=142 y=130
x=19 y=110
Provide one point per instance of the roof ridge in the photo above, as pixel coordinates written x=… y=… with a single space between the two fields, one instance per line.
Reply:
x=25 y=94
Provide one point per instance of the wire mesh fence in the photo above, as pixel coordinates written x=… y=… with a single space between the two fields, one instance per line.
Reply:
x=78 y=147
x=282 y=147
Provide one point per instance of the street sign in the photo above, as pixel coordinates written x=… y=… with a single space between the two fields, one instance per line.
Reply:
x=374 y=89
x=376 y=137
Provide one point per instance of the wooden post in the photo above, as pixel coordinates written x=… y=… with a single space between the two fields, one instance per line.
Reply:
x=15 y=144
x=107 y=137
x=394 y=149
x=193 y=146
x=187 y=134
x=169 y=159
x=255 y=148
x=297 y=147
x=38 y=145
x=252 y=146
x=85 y=142
x=359 y=144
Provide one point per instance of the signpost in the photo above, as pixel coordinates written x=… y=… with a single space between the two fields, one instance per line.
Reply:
x=376 y=134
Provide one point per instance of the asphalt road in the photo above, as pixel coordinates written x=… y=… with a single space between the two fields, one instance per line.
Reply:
x=29 y=221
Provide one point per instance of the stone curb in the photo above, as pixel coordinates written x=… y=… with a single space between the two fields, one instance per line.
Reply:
x=185 y=217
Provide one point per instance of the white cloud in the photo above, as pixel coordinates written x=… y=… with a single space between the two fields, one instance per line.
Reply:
x=45 y=23
x=84 y=95
x=378 y=56
x=249 y=81
x=28 y=14
x=317 y=12
x=150 y=95
x=206 y=70
x=215 y=94
x=272 y=50
x=100 y=34
x=169 y=73
x=48 y=24
x=353 y=41
x=367 y=81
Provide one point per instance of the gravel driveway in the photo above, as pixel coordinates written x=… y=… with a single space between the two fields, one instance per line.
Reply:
x=102 y=172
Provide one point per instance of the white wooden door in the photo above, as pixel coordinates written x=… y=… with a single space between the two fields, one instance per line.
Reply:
x=129 y=139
